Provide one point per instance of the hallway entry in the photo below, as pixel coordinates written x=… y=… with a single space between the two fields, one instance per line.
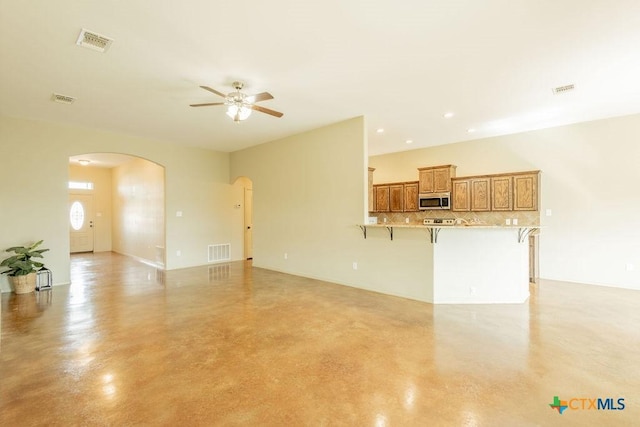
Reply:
x=117 y=203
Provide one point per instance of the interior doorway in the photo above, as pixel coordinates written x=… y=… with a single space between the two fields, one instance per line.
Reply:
x=248 y=223
x=244 y=193
x=117 y=204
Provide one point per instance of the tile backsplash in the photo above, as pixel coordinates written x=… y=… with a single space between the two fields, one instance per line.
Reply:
x=486 y=218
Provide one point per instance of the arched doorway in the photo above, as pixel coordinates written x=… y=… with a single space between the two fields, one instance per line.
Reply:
x=117 y=204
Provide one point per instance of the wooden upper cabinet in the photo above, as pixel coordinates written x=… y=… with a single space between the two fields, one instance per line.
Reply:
x=411 y=197
x=371 y=195
x=525 y=192
x=471 y=194
x=442 y=179
x=480 y=194
x=516 y=191
x=396 y=198
x=461 y=195
x=502 y=193
x=426 y=181
x=382 y=198
x=436 y=179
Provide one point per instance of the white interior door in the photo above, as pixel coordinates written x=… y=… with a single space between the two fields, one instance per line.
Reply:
x=81 y=222
x=248 y=223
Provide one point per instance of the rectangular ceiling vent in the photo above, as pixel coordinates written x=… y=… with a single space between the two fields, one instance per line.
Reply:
x=563 y=89
x=94 y=41
x=62 y=99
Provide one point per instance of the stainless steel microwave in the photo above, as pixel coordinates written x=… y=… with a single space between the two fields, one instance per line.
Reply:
x=434 y=201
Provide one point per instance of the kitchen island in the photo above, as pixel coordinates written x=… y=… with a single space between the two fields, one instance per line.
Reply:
x=474 y=264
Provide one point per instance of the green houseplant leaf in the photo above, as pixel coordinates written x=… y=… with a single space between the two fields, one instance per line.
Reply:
x=21 y=263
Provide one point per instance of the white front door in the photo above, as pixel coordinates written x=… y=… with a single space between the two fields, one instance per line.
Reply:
x=81 y=222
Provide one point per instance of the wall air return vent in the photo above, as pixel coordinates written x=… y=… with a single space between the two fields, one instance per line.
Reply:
x=94 y=41
x=217 y=253
x=62 y=99
x=563 y=89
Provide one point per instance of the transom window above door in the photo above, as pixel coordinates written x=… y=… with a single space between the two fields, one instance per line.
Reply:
x=78 y=185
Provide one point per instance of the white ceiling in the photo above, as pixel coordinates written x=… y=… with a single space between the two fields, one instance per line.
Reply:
x=401 y=64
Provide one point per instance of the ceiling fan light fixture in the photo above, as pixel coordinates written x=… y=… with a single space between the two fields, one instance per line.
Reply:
x=240 y=105
x=238 y=112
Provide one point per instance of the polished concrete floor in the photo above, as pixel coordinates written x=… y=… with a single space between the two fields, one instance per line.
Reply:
x=233 y=345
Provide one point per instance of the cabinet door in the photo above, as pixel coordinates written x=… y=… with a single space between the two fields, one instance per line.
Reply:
x=373 y=204
x=426 y=181
x=461 y=197
x=501 y=193
x=525 y=192
x=371 y=195
x=480 y=191
x=411 y=197
x=442 y=180
x=382 y=198
x=396 y=198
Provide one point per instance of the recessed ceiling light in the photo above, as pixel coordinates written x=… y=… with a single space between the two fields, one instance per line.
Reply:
x=379 y=130
x=409 y=141
x=471 y=130
x=448 y=115
x=84 y=162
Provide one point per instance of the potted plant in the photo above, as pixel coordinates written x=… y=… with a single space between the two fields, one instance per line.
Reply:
x=22 y=269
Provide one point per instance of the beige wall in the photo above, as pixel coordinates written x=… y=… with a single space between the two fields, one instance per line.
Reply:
x=589 y=181
x=34 y=196
x=309 y=194
x=101 y=179
x=138 y=206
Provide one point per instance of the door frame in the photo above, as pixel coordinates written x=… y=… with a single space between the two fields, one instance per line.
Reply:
x=89 y=219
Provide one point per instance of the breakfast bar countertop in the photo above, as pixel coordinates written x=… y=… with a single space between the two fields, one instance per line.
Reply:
x=404 y=225
x=434 y=229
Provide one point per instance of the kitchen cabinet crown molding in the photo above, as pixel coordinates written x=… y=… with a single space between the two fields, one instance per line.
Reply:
x=436 y=167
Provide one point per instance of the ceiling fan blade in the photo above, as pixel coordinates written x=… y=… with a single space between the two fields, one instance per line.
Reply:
x=207 y=104
x=263 y=96
x=266 y=110
x=214 y=91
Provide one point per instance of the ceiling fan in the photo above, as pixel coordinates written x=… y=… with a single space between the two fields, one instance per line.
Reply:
x=239 y=105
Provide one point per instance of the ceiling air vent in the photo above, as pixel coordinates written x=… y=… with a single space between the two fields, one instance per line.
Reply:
x=94 y=41
x=62 y=99
x=563 y=89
